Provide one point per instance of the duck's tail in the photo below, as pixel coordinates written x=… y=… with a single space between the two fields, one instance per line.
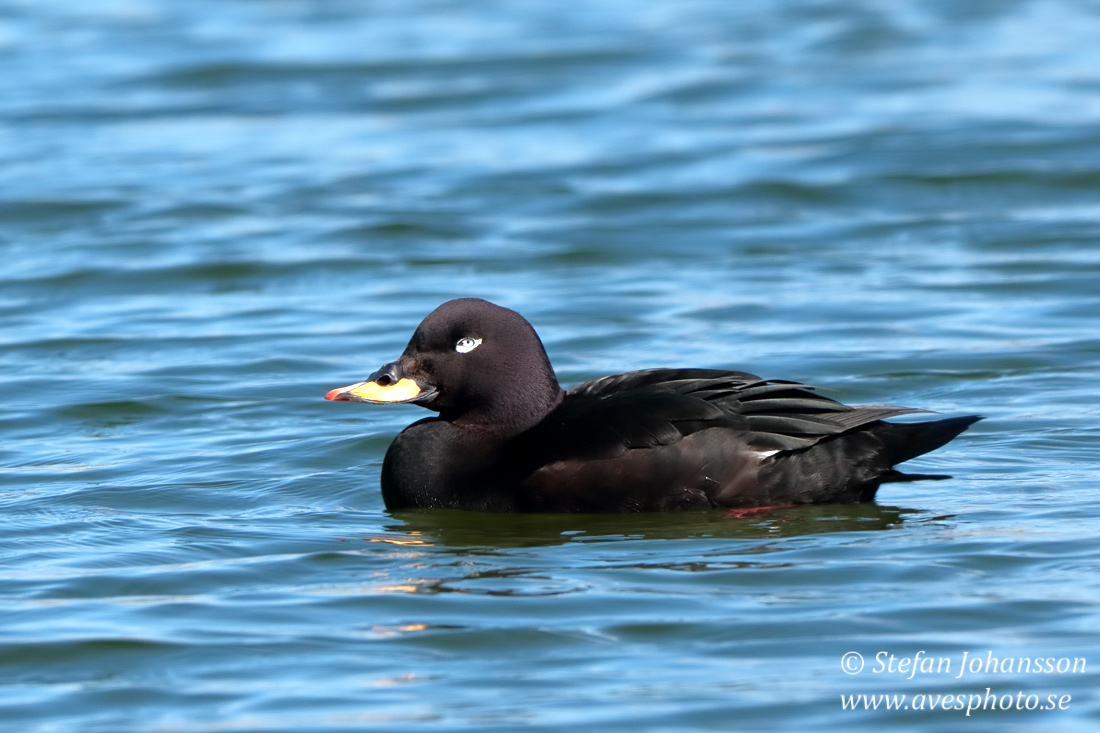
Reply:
x=905 y=441
x=850 y=467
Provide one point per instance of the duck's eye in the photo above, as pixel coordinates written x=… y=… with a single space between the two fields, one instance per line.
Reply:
x=467 y=344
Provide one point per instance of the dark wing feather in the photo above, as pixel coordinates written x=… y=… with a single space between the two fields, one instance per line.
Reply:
x=654 y=407
x=588 y=427
x=785 y=404
x=863 y=414
x=617 y=383
x=793 y=424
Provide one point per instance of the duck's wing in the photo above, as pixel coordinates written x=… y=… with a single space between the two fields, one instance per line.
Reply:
x=617 y=383
x=659 y=406
x=668 y=439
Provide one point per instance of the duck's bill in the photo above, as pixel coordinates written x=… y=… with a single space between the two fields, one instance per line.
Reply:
x=402 y=390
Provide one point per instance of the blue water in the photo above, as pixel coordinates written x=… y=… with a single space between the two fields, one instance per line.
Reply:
x=212 y=213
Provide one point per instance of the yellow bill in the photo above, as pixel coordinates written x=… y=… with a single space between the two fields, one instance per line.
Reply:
x=402 y=390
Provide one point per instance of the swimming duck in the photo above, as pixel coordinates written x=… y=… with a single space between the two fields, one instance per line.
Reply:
x=508 y=438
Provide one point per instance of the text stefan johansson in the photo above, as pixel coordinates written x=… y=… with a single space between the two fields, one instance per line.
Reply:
x=958 y=667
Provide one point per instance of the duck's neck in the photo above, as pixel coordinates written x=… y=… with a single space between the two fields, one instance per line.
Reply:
x=512 y=409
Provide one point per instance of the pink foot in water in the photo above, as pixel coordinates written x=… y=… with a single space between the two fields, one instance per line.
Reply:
x=749 y=511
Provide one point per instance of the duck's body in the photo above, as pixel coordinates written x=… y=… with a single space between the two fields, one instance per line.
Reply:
x=509 y=439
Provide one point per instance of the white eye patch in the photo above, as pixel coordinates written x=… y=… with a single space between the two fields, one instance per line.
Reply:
x=467 y=344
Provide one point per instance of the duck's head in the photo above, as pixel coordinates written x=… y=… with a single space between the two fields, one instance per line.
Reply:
x=471 y=361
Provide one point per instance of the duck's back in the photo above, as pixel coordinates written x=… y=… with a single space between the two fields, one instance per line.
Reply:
x=663 y=439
